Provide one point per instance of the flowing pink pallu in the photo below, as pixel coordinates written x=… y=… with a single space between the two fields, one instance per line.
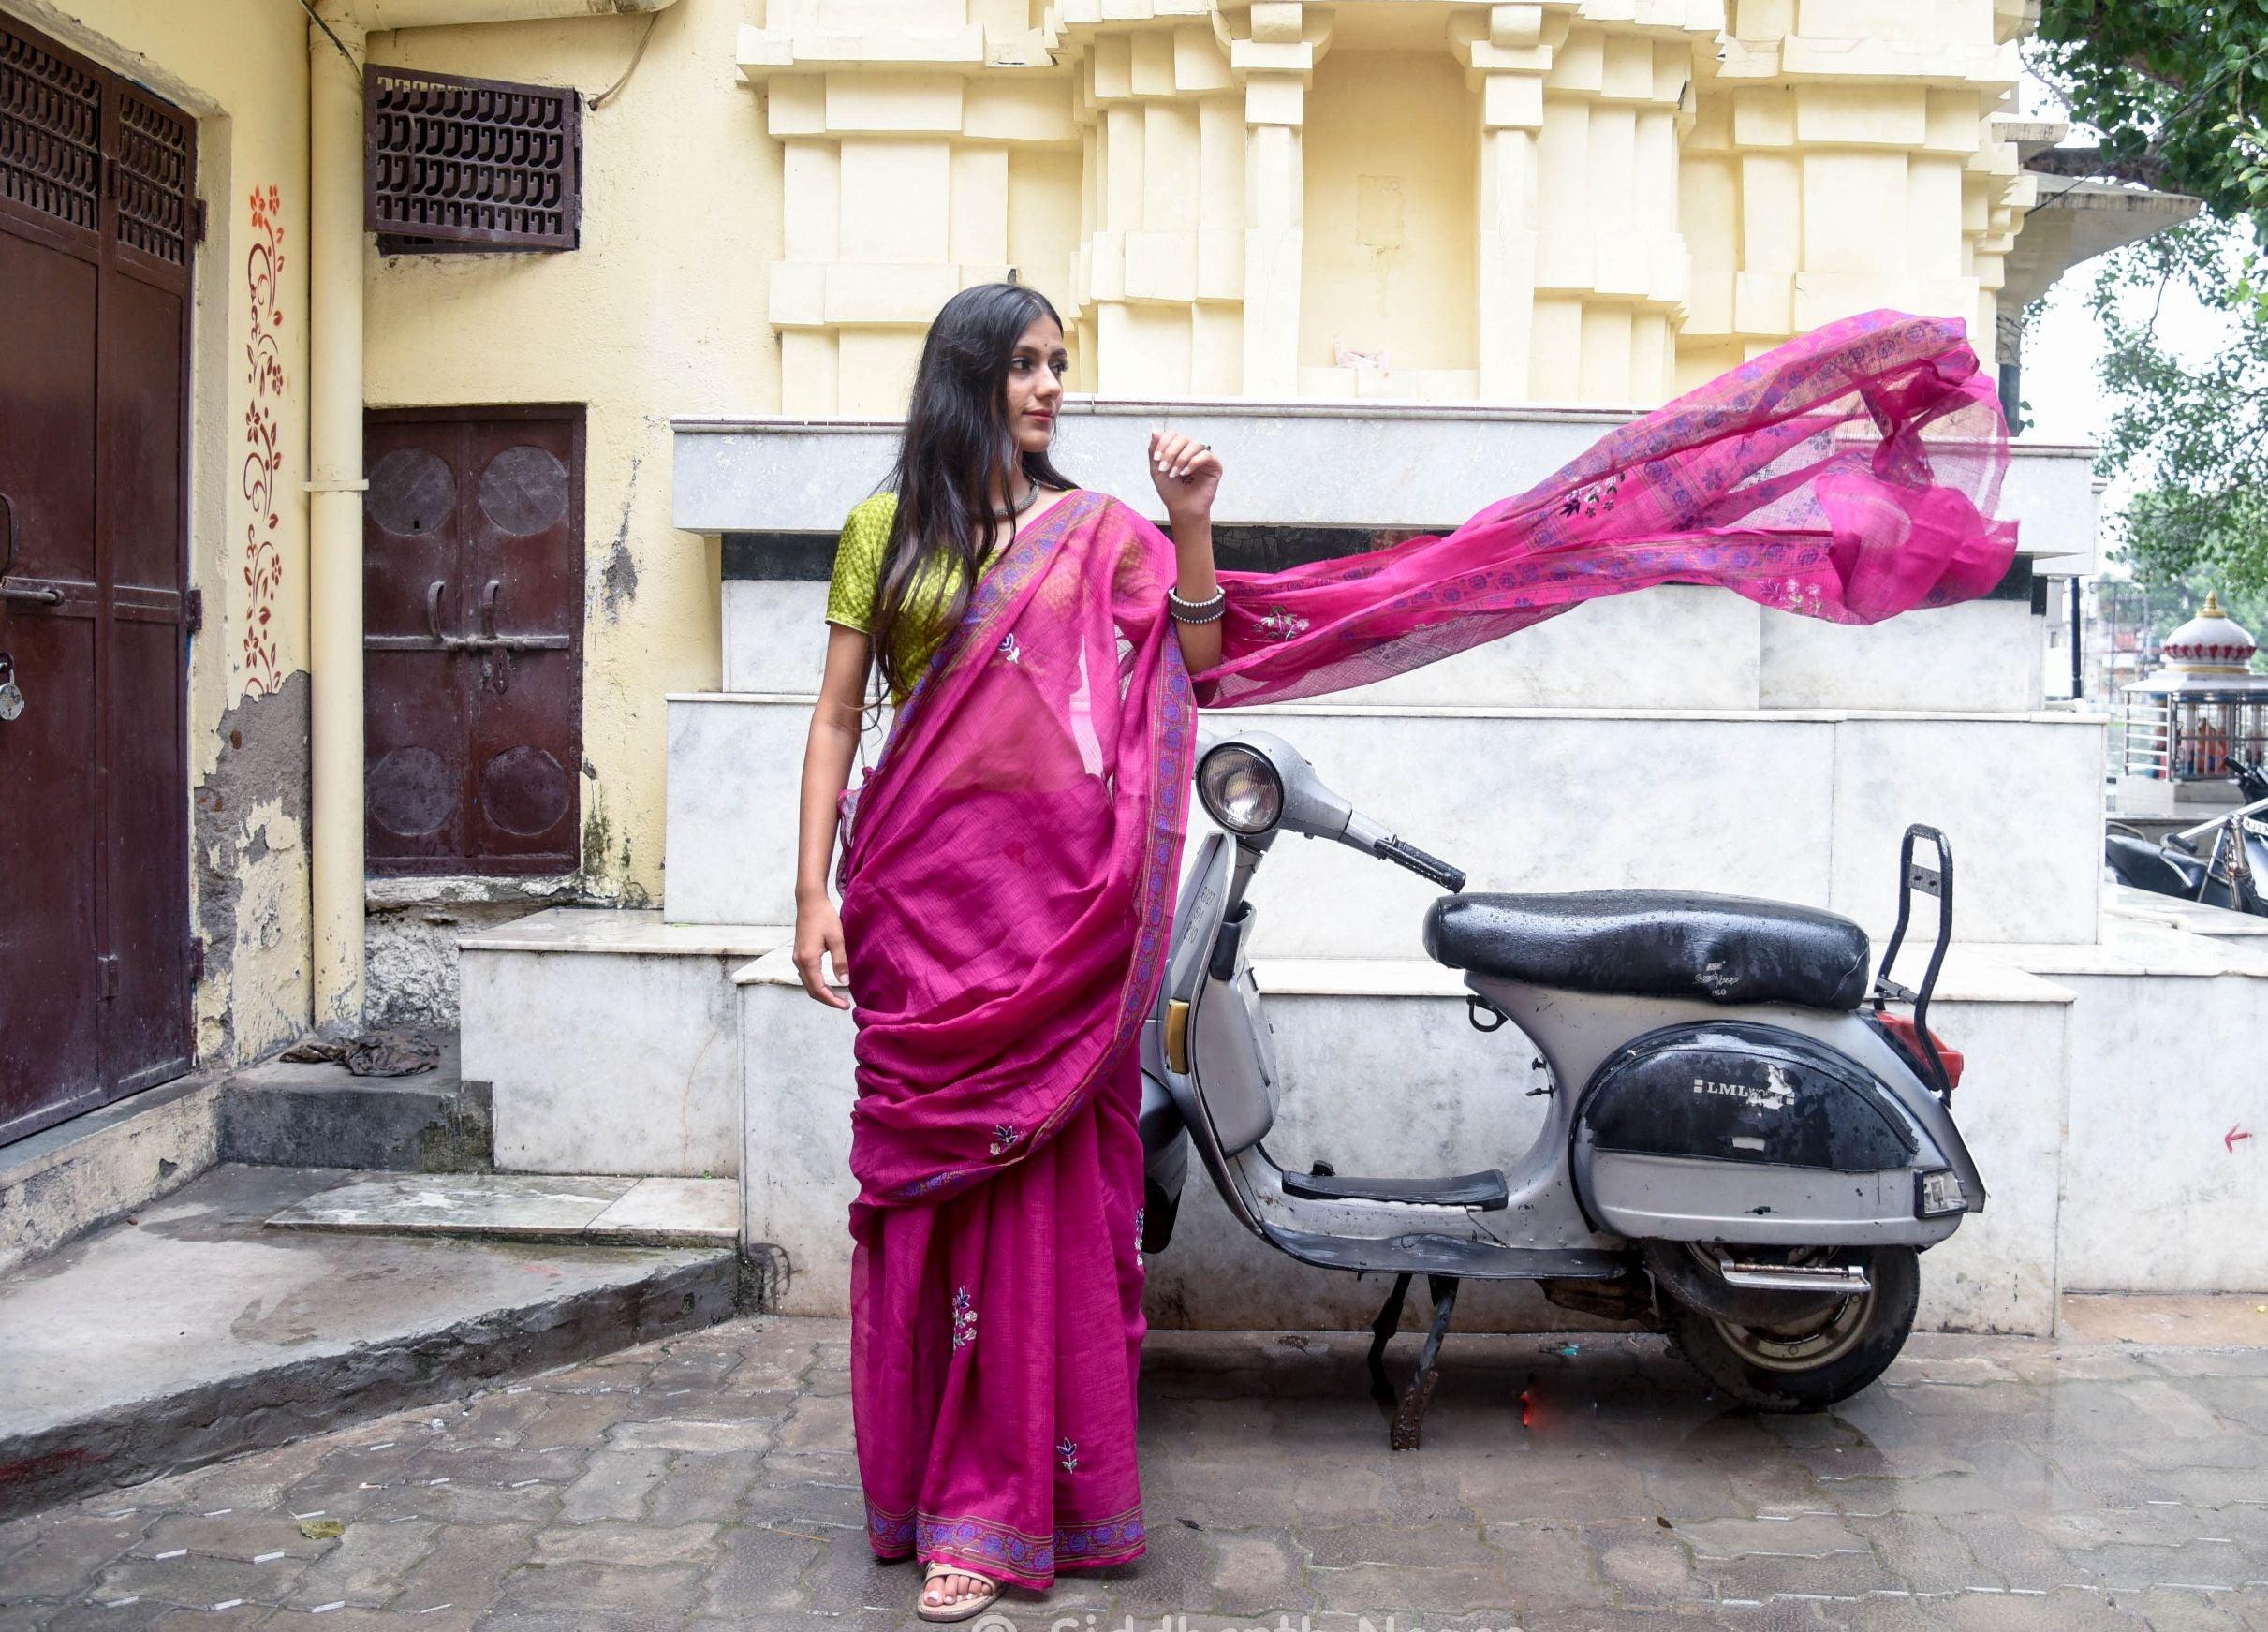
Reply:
x=1008 y=866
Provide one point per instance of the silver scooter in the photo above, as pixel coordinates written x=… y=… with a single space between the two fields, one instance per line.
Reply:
x=1744 y=1145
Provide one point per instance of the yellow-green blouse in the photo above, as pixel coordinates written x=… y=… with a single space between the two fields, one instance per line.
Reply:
x=858 y=579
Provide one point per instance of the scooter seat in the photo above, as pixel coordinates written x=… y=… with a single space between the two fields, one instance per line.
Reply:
x=1655 y=943
x=2148 y=867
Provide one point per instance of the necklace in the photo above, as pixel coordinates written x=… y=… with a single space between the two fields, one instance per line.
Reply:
x=1031 y=491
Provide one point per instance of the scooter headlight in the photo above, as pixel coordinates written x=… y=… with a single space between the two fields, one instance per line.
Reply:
x=1240 y=789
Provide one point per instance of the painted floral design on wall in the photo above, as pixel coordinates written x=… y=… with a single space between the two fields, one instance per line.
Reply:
x=264 y=446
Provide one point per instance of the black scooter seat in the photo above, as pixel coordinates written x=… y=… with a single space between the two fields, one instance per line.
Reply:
x=1656 y=943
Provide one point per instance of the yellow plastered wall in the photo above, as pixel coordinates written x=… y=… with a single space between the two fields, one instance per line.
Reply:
x=1587 y=205
x=1388 y=268
x=239 y=67
x=662 y=311
x=1841 y=159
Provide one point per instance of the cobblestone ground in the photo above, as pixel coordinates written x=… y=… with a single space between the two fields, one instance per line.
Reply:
x=707 y=1482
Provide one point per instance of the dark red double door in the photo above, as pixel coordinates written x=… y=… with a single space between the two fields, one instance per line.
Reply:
x=472 y=617
x=95 y=202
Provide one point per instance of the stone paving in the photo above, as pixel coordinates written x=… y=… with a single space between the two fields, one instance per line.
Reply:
x=1567 y=1483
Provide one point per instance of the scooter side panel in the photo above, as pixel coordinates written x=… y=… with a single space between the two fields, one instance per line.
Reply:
x=1737 y=1092
x=1689 y=1199
x=1578 y=1031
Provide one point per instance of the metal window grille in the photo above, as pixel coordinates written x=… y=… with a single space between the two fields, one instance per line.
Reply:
x=153 y=180
x=50 y=133
x=464 y=164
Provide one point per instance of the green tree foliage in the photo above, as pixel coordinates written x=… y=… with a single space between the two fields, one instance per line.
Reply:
x=2191 y=434
x=2178 y=90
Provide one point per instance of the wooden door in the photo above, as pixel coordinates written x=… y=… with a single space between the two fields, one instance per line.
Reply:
x=472 y=616
x=95 y=213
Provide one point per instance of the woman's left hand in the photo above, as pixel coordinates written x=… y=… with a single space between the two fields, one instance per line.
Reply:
x=1187 y=475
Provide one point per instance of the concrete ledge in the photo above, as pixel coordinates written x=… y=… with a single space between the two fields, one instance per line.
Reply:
x=73 y=1176
x=191 y=1335
x=288 y=1114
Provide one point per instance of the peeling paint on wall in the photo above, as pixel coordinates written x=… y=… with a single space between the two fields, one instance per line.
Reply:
x=249 y=822
x=618 y=580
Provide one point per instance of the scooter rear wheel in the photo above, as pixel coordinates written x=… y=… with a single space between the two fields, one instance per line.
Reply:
x=1808 y=1364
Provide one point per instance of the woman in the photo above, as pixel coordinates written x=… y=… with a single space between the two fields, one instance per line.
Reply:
x=1008 y=860
x=1013 y=1451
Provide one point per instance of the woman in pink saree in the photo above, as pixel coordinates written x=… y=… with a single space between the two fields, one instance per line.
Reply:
x=1008 y=863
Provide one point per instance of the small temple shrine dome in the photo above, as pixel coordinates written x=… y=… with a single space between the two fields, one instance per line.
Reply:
x=2196 y=719
x=2212 y=641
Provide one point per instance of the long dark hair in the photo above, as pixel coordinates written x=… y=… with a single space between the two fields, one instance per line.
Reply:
x=957 y=446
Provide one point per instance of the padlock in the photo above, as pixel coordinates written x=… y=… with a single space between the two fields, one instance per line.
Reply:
x=11 y=695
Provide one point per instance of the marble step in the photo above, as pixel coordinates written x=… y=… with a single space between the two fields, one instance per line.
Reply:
x=1678 y=646
x=598 y=1210
x=608 y=1038
x=1801 y=805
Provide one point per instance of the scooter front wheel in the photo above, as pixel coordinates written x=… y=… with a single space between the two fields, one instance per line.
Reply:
x=1810 y=1363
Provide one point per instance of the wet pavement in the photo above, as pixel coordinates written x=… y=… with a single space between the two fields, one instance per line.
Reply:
x=1567 y=1483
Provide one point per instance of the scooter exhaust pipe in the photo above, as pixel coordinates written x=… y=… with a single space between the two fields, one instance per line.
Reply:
x=1842 y=1279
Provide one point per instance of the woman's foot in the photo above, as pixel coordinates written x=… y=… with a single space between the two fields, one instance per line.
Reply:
x=951 y=1593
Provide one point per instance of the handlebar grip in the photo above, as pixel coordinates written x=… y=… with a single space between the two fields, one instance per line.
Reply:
x=1424 y=866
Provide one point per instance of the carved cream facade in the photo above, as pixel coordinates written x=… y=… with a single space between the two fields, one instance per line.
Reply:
x=1565 y=200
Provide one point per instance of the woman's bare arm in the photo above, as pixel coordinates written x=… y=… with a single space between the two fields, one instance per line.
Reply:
x=828 y=753
x=1187 y=475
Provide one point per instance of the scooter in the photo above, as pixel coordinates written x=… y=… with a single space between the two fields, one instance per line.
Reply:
x=2230 y=876
x=1743 y=1145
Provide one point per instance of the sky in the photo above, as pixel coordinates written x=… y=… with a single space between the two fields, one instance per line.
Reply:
x=2065 y=347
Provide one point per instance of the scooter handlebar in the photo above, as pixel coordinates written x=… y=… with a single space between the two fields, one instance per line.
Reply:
x=1418 y=861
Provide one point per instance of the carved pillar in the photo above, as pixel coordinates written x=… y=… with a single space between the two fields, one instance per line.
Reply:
x=1273 y=47
x=1506 y=57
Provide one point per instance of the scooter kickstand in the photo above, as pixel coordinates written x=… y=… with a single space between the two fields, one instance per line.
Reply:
x=1382 y=1329
x=1409 y=1414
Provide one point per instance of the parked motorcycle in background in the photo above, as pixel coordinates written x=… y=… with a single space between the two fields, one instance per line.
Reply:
x=1747 y=1142
x=2228 y=876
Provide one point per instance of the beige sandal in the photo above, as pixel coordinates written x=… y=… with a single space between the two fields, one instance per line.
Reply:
x=960 y=1610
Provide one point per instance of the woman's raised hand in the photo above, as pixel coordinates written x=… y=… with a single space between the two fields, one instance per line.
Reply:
x=1187 y=473
x=819 y=933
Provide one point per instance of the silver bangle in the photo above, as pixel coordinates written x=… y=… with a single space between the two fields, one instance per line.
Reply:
x=1210 y=609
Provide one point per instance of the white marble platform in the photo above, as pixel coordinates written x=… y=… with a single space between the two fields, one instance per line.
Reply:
x=1677 y=646
x=2216 y=923
x=602 y=1210
x=1799 y=805
x=1348 y=464
x=610 y=1039
x=1383 y=1074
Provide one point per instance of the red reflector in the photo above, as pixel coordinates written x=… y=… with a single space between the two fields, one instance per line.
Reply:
x=1907 y=1035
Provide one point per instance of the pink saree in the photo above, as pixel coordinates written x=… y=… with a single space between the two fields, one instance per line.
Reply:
x=1009 y=864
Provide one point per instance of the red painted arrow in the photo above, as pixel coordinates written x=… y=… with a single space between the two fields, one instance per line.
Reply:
x=2229 y=1139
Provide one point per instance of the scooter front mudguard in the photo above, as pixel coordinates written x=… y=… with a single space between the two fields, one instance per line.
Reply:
x=1163 y=1120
